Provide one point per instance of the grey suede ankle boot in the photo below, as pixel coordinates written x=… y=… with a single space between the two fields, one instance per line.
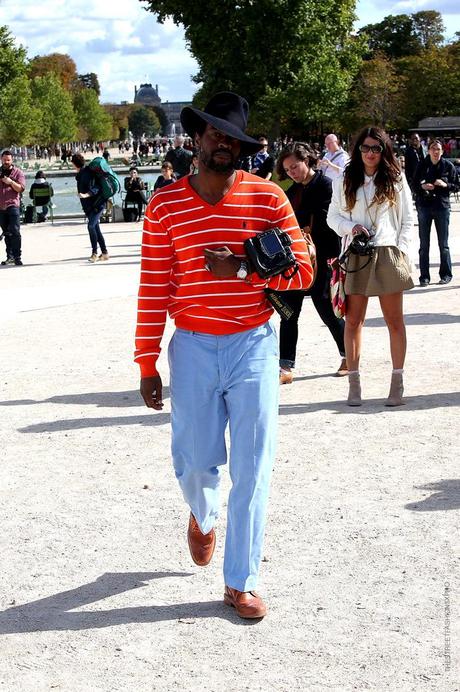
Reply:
x=354 y=391
x=395 y=397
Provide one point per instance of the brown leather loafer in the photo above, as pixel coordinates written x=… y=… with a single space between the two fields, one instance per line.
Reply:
x=247 y=604
x=201 y=544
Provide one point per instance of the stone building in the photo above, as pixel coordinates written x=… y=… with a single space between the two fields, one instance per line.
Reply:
x=147 y=95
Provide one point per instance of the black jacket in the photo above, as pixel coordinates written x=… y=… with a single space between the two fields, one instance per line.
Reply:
x=86 y=182
x=312 y=202
x=412 y=158
x=427 y=172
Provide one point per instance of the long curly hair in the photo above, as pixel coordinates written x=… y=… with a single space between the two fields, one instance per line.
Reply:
x=387 y=175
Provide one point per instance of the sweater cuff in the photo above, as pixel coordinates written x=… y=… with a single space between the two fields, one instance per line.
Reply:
x=148 y=368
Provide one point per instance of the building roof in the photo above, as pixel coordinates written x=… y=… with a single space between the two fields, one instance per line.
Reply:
x=147 y=94
x=439 y=124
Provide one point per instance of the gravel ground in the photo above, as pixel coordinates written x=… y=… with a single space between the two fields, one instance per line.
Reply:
x=97 y=589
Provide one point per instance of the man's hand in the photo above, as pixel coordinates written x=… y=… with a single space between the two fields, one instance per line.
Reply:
x=151 y=390
x=440 y=183
x=428 y=186
x=84 y=195
x=222 y=262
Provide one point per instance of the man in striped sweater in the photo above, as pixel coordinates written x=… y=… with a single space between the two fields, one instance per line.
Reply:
x=223 y=356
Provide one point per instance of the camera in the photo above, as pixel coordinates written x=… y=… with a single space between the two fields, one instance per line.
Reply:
x=270 y=254
x=362 y=245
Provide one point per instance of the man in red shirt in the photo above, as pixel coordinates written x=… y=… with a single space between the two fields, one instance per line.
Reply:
x=223 y=356
x=12 y=185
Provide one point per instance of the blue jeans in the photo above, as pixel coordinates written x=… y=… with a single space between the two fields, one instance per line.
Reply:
x=426 y=215
x=11 y=227
x=218 y=381
x=94 y=231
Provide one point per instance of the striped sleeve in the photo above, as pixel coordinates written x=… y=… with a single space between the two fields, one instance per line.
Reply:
x=284 y=218
x=154 y=291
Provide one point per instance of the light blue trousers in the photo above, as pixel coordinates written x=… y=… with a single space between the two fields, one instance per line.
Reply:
x=215 y=381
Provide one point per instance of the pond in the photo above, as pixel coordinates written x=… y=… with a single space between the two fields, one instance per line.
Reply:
x=65 y=191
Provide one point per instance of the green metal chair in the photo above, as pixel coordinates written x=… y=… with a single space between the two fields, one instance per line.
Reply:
x=41 y=197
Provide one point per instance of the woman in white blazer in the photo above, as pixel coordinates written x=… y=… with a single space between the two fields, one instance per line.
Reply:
x=372 y=198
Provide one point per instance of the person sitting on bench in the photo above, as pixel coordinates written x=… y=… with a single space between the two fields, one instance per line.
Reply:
x=135 y=187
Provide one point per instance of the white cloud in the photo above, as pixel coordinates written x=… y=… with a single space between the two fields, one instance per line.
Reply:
x=121 y=42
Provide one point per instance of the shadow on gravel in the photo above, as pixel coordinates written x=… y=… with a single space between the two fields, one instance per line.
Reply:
x=150 y=420
x=447 y=496
x=99 y=399
x=52 y=613
x=371 y=406
x=418 y=318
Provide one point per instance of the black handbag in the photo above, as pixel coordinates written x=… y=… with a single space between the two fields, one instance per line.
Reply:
x=269 y=254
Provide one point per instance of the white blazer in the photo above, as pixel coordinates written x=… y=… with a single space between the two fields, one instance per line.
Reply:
x=394 y=224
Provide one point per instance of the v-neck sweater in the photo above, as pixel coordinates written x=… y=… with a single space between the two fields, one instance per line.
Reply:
x=178 y=226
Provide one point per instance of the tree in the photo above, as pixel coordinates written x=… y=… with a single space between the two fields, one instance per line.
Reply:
x=56 y=118
x=376 y=97
x=394 y=36
x=12 y=59
x=143 y=121
x=428 y=28
x=18 y=116
x=402 y=34
x=266 y=49
x=432 y=84
x=61 y=64
x=94 y=122
x=90 y=81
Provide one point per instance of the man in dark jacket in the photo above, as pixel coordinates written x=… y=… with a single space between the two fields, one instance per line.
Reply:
x=179 y=157
x=412 y=157
x=434 y=180
x=93 y=204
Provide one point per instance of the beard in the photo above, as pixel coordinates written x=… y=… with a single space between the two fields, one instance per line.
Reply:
x=226 y=165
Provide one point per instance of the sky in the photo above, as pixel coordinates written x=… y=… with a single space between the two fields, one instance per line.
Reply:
x=125 y=46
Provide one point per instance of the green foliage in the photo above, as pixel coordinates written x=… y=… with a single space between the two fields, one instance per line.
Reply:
x=55 y=120
x=377 y=95
x=428 y=28
x=93 y=121
x=402 y=34
x=289 y=58
x=17 y=112
x=90 y=81
x=432 y=83
x=12 y=59
x=144 y=121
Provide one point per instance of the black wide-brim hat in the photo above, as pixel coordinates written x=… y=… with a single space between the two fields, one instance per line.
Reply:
x=228 y=113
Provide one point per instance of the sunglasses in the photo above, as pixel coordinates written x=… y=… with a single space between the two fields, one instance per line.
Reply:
x=375 y=148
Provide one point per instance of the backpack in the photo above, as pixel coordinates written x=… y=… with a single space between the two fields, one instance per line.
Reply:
x=105 y=177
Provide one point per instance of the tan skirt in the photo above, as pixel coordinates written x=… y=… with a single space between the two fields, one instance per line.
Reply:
x=387 y=272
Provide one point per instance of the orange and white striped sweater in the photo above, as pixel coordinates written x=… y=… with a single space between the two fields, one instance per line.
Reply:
x=178 y=226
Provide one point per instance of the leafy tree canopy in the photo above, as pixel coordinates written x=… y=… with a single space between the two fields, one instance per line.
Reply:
x=90 y=81
x=94 y=122
x=12 y=59
x=61 y=64
x=55 y=118
x=402 y=34
x=144 y=121
x=264 y=49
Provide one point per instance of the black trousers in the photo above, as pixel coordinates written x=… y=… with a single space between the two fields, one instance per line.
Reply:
x=289 y=329
x=10 y=224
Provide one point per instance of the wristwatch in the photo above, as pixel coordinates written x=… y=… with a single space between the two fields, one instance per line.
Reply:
x=243 y=271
